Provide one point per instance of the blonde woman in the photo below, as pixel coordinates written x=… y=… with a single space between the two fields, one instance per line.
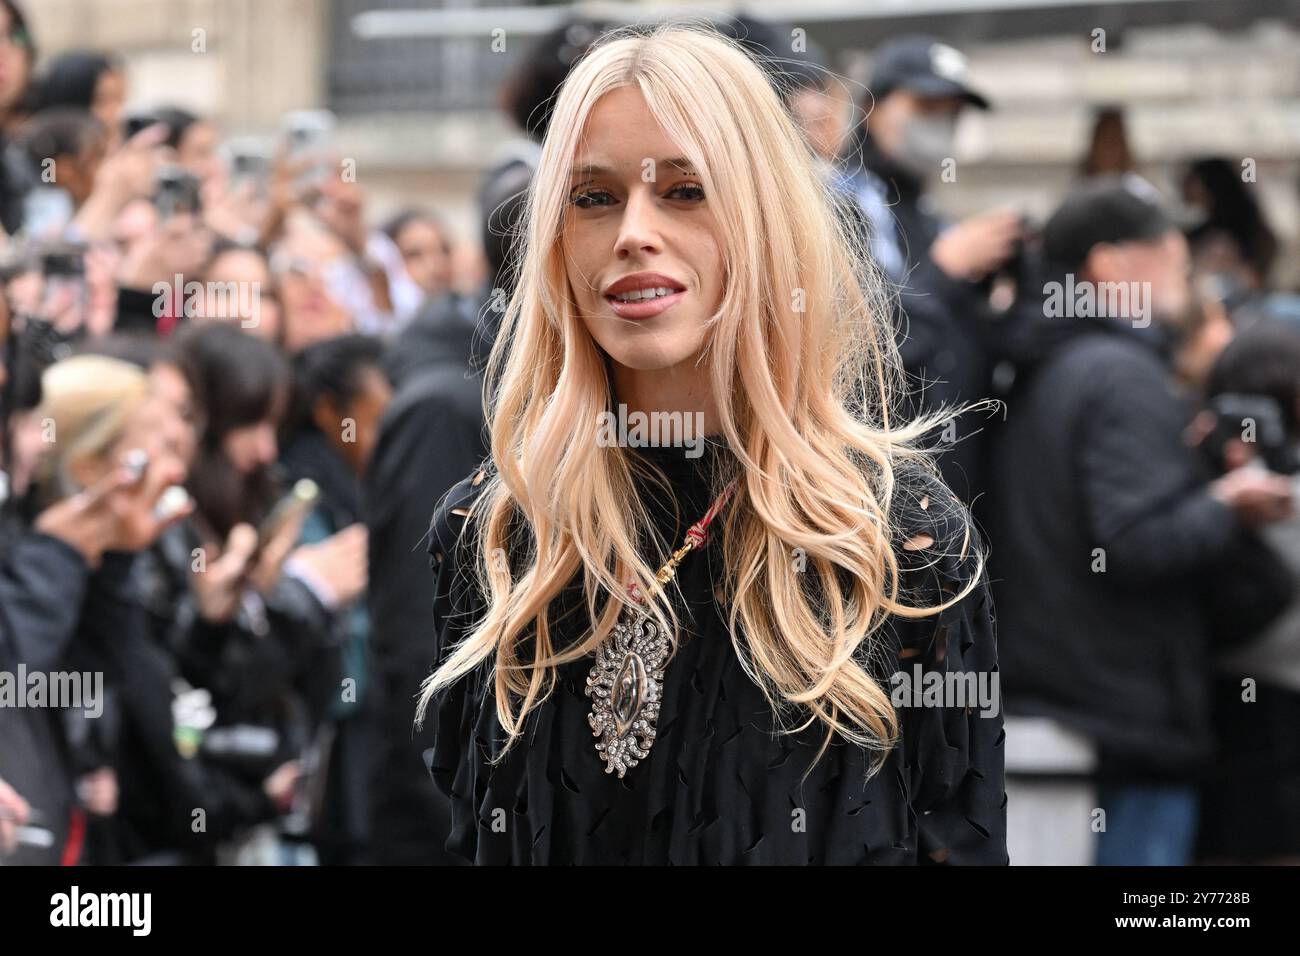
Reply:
x=66 y=590
x=720 y=648
x=95 y=413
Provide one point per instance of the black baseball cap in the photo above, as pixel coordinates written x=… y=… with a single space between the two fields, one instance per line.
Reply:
x=1123 y=208
x=925 y=66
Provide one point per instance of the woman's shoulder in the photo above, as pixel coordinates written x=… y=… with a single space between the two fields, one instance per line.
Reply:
x=453 y=511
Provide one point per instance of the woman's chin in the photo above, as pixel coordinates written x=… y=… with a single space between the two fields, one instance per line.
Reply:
x=650 y=359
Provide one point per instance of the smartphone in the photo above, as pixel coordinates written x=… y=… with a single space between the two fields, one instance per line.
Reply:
x=300 y=499
x=248 y=160
x=47 y=211
x=41 y=343
x=64 y=293
x=171 y=501
x=34 y=836
x=176 y=190
x=309 y=133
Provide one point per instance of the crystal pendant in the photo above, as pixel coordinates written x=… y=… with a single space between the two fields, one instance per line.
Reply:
x=625 y=686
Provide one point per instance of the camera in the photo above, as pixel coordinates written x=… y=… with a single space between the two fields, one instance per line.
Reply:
x=1234 y=413
x=176 y=190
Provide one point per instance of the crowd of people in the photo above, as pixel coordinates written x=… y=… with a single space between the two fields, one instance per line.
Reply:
x=232 y=401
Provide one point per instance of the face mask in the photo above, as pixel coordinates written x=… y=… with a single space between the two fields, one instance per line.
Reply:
x=926 y=142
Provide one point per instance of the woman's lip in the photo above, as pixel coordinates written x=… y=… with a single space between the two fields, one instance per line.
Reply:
x=644 y=308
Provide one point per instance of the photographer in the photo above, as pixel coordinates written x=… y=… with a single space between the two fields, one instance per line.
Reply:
x=1253 y=424
x=1110 y=537
x=918 y=92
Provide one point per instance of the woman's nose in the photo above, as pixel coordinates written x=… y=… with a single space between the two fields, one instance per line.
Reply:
x=639 y=229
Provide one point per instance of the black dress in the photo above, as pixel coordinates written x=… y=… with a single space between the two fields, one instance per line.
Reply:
x=719 y=786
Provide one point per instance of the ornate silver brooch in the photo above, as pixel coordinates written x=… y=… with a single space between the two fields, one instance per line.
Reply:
x=625 y=686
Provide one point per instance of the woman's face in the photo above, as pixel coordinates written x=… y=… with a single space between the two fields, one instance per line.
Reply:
x=77 y=173
x=109 y=100
x=820 y=114
x=197 y=151
x=178 y=431
x=15 y=63
x=251 y=447
x=425 y=253
x=253 y=303
x=310 y=313
x=153 y=427
x=638 y=220
x=365 y=410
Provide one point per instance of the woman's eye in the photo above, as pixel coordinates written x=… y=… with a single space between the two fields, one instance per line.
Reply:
x=591 y=198
x=691 y=192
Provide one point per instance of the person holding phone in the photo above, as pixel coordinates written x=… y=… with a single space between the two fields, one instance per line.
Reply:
x=248 y=608
x=68 y=545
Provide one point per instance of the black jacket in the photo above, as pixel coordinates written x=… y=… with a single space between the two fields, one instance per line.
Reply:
x=42 y=583
x=275 y=664
x=1111 y=561
x=941 y=323
x=431 y=435
x=172 y=807
x=721 y=782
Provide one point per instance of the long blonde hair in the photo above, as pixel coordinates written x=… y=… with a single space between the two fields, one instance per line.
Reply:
x=803 y=368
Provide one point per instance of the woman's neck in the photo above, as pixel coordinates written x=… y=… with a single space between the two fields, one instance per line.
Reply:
x=683 y=389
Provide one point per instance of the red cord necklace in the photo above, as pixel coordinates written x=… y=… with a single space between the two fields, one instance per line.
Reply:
x=626 y=682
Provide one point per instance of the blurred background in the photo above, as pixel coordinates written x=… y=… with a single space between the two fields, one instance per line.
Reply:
x=416 y=85
x=255 y=253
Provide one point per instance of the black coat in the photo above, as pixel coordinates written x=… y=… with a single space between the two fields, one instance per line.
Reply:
x=431 y=435
x=160 y=789
x=941 y=323
x=340 y=829
x=1091 y=470
x=274 y=664
x=42 y=584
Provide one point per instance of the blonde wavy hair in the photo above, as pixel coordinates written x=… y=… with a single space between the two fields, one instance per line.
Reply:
x=803 y=398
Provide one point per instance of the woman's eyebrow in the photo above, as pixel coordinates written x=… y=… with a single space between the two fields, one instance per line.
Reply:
x=595 y=169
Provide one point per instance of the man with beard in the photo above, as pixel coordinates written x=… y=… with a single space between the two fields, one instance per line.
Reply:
x=1117 y=561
